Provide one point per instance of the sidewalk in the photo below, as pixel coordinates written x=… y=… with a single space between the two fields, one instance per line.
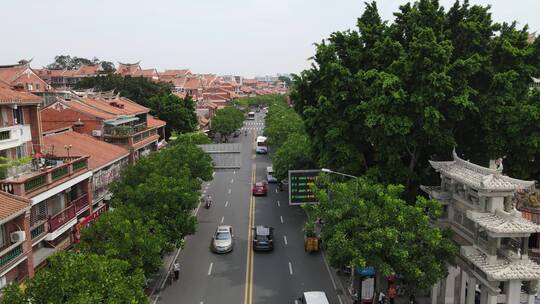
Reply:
x=159 y=280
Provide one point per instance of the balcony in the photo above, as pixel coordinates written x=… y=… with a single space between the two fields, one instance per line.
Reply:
x=60 y=219
x=10 y=254
x=14 y=136
x=124 y=131
x=80 y=203
x=42 y=176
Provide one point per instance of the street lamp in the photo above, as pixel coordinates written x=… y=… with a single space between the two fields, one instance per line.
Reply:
x=326 y=170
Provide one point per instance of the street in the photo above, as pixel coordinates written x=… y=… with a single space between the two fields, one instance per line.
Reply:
x=244 y=276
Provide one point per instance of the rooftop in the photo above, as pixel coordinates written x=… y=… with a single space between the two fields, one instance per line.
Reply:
x=502 y=269
x=478 y=177
x=503 y=222
x=10 y=96
x=11 y=206
x=101 y=153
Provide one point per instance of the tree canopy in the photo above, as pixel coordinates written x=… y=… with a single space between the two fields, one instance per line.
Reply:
x=196 y=138
x=66 y=62
x=138 y=89
x=262 y=100
x=179 y=113
x=227 y=120
x=75 y=278
x=165 y=187
x=125 y=234
x=368 y=224
x=386 y=97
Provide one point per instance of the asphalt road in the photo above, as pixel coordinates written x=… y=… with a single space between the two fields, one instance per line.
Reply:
x=244 y=276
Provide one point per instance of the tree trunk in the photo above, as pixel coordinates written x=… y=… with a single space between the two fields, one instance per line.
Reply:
x=415 y=155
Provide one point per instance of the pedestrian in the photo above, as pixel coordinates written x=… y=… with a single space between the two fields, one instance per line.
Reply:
x=176 y=268
x=412 y=299
x=382 y=297
x=392 y=293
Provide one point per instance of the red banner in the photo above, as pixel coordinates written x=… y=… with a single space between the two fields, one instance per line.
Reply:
x=86 y=222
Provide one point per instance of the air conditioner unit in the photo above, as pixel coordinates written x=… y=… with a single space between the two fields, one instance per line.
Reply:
x=96 y=132
x=17 y=236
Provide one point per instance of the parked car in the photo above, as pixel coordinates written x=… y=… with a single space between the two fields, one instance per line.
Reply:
x=264 y=238
x=236 y=133
x=259 y=188
x=222 y=240
x=270 y=175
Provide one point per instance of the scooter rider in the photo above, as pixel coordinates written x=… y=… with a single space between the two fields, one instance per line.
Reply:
x=208 y=201
x=245 y=132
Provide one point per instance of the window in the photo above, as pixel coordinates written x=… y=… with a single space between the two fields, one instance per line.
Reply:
x=21 y=151
x=18 y=118
x=37 y=86
x=29 y=86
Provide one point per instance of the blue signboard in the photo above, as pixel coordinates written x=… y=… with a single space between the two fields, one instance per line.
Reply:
x=366 y=271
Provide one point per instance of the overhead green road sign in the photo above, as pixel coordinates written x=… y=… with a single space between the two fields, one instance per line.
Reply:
x=300 y=182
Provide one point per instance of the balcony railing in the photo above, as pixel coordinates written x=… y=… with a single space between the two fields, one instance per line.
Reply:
x=80 y=203
x=37 y=179
x=10 y=253
x=58 y=220
x=139 y=137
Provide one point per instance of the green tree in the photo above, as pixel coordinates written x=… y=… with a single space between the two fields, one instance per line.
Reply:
x=166 y=187
x=66 y=62
x=294 y=154
x=81 y=278
x=227 y=120
x=281 y=121
x=125 y=234
x=286 y=80
x=138 y=89
x=368 y=224
x=195 y=138
x=177 y=112
x=386 y=98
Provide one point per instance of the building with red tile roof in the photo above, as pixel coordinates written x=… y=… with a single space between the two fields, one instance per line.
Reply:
x=40 y=199
x=116 y=120
x=106 y=160
x=135 y=70
x=22 y=77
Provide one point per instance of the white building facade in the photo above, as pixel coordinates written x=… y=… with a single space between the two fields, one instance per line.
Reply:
x=492 y=264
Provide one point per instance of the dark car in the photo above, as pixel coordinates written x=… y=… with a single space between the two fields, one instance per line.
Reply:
x=259 y=188
x=263 y=239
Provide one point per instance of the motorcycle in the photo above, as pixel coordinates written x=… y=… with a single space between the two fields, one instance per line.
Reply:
x=208 y=204
x=245 y=133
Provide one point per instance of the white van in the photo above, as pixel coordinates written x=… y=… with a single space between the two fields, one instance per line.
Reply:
x=270 y=175
x=314 y=297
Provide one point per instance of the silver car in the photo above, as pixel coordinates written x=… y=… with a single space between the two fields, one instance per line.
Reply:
x=222 y=240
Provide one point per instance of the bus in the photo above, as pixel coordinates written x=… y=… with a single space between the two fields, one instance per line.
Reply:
x=261 y=145
x=251 y=116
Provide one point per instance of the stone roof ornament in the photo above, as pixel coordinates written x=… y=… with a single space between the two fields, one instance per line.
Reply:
x=499 y=165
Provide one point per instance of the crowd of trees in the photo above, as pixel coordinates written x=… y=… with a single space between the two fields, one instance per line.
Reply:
x=262 y=100
x=66 y=62
x=380 y=101
x=152 y=213
x=387 y=97
x=288 y=138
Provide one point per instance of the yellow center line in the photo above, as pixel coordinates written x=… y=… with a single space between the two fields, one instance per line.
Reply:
x=248 y=292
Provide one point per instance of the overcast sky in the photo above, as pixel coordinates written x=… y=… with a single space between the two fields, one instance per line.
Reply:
x=246 y=37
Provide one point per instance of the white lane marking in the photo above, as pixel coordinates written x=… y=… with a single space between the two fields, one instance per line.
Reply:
x=213 y=174
x=281 y=219
x=232 y=180
x=276 y=190
x=229 y=191
x=290 y=268
x=331 y=277
x=203 y=303
x=210 y=268
x=285 y=239
x=222 y=219
x=295 y=302
x=278 y=204
x=226 y=203
x=204 y=191
x=234 y=172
